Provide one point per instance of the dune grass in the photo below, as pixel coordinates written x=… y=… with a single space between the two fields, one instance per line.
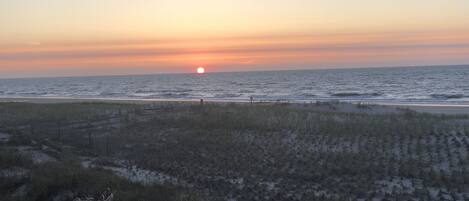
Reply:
x=262 y=151
x=67 y=180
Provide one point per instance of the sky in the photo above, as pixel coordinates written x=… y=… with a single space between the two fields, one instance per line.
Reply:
x=113 y=37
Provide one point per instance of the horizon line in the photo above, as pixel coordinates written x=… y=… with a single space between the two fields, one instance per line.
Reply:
x=245 y=71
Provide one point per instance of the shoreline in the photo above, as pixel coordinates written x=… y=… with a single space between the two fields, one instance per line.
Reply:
x=214 y=100
x=456 y=109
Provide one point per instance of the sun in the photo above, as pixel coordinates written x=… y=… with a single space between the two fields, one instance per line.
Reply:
x=200 y=70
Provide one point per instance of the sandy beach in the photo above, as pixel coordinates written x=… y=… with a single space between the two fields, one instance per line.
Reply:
x=378 y=107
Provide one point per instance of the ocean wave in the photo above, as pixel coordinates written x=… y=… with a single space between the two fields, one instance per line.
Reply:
x=448 y=96
x=145 y=91
x=32 y=93
x=228 y=95
x=110 y=93
x=306 y=88
x=174 y=95
x=355 y=94
x=308 y=95
x=174 y=90
x=245 y=91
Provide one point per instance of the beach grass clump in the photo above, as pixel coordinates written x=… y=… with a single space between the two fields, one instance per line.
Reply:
x=67 y=180
x=12 y=158
x=76 y=182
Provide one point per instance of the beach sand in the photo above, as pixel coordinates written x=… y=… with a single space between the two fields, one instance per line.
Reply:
x=338 y=107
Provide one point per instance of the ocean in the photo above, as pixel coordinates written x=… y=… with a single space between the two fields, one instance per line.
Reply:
x=437 y=84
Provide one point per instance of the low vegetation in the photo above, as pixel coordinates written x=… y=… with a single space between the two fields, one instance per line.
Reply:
x=185 y=151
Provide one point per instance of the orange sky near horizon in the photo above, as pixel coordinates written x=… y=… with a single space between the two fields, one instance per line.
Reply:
x=63 y=38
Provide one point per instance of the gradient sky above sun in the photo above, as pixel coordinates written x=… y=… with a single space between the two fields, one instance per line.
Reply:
x=107 y=37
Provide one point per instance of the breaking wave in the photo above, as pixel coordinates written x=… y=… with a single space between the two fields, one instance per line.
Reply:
x=448 y=96
x=355 y=94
